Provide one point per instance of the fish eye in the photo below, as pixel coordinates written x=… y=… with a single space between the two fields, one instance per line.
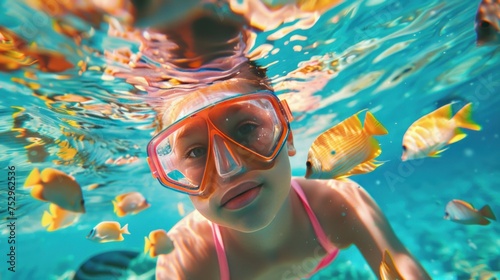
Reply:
x=82 y=202
x=308 y=164
x=446 y=214
x=484 y=24
x=404 y=148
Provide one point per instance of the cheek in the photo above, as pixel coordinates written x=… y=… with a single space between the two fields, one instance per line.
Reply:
x=206 y=209
x=281 y=173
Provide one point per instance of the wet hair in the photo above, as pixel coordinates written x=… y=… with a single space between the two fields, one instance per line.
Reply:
x=249 y=78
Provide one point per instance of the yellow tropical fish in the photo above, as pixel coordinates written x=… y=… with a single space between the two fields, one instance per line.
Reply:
x=388 y=270
x=57 y=187
x=158 y=243
x=58 y=218
x=129 y=203
x=487 y=23
x=346 y=149
x=108 y=232
x=428 y=136
x=463 y=212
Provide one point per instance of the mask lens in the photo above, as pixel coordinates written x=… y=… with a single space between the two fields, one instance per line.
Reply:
x=183 y=153
x=253 y=124
x=229 y=134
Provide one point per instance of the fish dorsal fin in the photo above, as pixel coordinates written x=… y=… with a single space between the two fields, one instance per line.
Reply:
x=464 y=203
x=442 y=112
x=348 y=126
x=372 y=126
x=459 y=135
x=121 y=196
x=487 y=212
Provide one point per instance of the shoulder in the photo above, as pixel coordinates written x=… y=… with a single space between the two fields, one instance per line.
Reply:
x=194 y=256
x=338 y=205
x=338 y=194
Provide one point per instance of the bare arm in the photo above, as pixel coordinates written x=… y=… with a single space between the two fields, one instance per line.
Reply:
x=372 y=234
x=353 y=217
x=194 y=255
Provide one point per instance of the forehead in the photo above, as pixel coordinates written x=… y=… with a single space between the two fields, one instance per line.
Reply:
x=203 y=97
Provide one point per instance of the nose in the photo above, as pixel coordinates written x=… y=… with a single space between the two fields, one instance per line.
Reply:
x=227 y=162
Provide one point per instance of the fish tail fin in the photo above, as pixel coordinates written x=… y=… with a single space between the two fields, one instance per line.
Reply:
x=47 y=220
x=487 y=212
x=388 y=269
x=147 y=244
x=37 y=192
x=34 y=178
x=124 y=229
x=119 y=212
x=463 y=118
x=372 y=126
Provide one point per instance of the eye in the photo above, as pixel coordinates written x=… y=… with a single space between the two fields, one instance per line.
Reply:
x=404 y=148
x=196 y=152
x=308 y=164
x=484 y=24
x=247 y=128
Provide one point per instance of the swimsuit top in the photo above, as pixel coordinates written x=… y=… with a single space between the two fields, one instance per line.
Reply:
x=330 y=249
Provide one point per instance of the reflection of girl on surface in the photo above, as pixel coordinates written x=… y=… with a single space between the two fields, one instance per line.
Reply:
x=227 y=145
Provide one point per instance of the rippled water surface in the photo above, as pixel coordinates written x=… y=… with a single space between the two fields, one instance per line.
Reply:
x=399 y=59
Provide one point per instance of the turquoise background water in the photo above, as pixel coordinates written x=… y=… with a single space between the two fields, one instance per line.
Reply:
x=440 y=64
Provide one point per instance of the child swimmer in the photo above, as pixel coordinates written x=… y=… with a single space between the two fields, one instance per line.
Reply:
x=229 y=151
x=227 y=145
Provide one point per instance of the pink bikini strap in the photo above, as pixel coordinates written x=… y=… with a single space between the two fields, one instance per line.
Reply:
x=221 y=252
x=320 y=234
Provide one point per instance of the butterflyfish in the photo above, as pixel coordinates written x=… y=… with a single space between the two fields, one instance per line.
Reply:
x=129 y=203
x=58 y=218
x=462 y=212
x=487 y=23
x=346 y=149
x=158 y=243
x=429 y=135
x=52 y=185
x=388 y=270
x=108 y=231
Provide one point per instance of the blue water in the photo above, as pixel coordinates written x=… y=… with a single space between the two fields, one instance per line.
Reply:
x=438 y=64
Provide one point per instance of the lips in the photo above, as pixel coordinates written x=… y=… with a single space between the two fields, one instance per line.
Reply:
x=241 y=195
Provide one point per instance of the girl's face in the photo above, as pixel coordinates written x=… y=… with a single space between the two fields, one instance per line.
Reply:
x=247 y=200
